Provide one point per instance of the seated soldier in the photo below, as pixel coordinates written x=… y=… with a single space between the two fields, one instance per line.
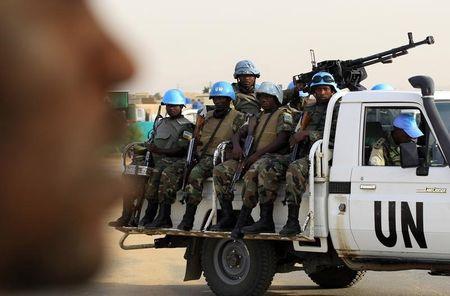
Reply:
x=322 y=87
x=215 y=130
x=266 y=166
x=386 y=151
x=167 y=147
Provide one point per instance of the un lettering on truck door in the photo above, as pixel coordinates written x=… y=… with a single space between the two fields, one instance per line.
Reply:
x=409 y=224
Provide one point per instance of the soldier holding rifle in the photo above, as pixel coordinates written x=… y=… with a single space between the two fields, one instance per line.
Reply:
x=323 y=87
x=167 y=146
x=265 y=166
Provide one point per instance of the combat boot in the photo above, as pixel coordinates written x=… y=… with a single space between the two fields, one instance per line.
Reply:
x=188 y=218
x=127 y=212
x=228 y=220
x=265 y=222
x=292 y=226
x=243 y=219
x=150 y=213
x=163 y=219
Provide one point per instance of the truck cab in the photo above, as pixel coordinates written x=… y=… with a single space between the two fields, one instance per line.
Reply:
x=388 y=215
x=355 y=217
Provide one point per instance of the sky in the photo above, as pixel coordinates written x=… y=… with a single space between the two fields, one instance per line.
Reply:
x=188 y=44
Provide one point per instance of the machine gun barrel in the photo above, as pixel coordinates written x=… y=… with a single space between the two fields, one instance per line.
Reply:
x=388 y=55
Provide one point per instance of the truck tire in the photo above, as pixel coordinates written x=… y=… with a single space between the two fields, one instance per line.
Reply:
x=336 y=277
x=238 y=267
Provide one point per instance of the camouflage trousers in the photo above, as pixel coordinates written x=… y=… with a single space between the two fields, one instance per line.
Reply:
x=164 y=180
x=296 y=180
x=261 y=181
x=199 y=173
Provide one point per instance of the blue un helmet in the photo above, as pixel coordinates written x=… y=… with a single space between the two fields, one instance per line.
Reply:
x=323 y=78
x=382 y=86
x=291 y=85
x=272 y=89
x=173 y=97
x=245 y=67
x=222 y=89
x=407 y=122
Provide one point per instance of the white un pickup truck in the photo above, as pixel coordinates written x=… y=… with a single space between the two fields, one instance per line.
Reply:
x=355 y=217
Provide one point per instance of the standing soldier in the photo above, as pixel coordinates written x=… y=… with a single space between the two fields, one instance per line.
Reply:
x=168 y=146
x=246 y=73
x=266 y=166
x=322 y=87
x=216 y=129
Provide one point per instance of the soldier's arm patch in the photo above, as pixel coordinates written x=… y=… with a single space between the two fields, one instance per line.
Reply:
x=187 y=135
x=287 y=118
x=379 y=143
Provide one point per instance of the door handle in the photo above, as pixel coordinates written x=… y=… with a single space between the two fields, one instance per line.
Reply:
x=368 y=186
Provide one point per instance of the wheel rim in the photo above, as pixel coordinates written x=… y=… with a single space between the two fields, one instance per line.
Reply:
x=232 y=261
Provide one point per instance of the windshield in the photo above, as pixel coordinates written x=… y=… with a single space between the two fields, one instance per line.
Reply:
x=444 y=112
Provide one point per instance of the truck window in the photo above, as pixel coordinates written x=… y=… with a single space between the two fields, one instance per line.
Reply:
x=379 y=124
x=444 y=111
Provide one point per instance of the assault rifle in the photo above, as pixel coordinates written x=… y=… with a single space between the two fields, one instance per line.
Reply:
x=247 y=149
x=301 y=125
x=148 y=163
x=350 y=73
x=190 y=160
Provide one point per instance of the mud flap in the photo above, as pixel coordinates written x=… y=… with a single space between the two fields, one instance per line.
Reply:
x=193 y=260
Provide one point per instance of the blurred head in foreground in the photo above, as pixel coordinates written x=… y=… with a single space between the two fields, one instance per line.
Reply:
x=57 y=66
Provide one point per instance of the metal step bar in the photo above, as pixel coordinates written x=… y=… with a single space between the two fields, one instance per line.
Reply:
x=127 y=231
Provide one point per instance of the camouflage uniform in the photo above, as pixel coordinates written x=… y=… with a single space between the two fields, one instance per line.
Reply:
x=246 y=103
x=298 y=171
x=203 y=169
x=385 y=152
x=262 y=179
x=292 y=97
x=170 y=134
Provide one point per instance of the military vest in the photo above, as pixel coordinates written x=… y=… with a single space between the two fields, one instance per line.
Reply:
x=246 y=103
x=266 y=134
x=224 y=132
x=168 y=132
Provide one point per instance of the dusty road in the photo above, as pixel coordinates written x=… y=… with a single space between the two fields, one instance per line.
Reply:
x=161 y=272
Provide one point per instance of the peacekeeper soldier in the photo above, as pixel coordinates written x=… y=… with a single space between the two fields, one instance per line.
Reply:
x=386 y=151
x=246 y=73
x=322 y=87
x=216 y=129
x=266 y=166
x=167 y=147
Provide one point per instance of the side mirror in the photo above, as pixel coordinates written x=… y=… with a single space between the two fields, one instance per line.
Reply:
x=409 y=158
